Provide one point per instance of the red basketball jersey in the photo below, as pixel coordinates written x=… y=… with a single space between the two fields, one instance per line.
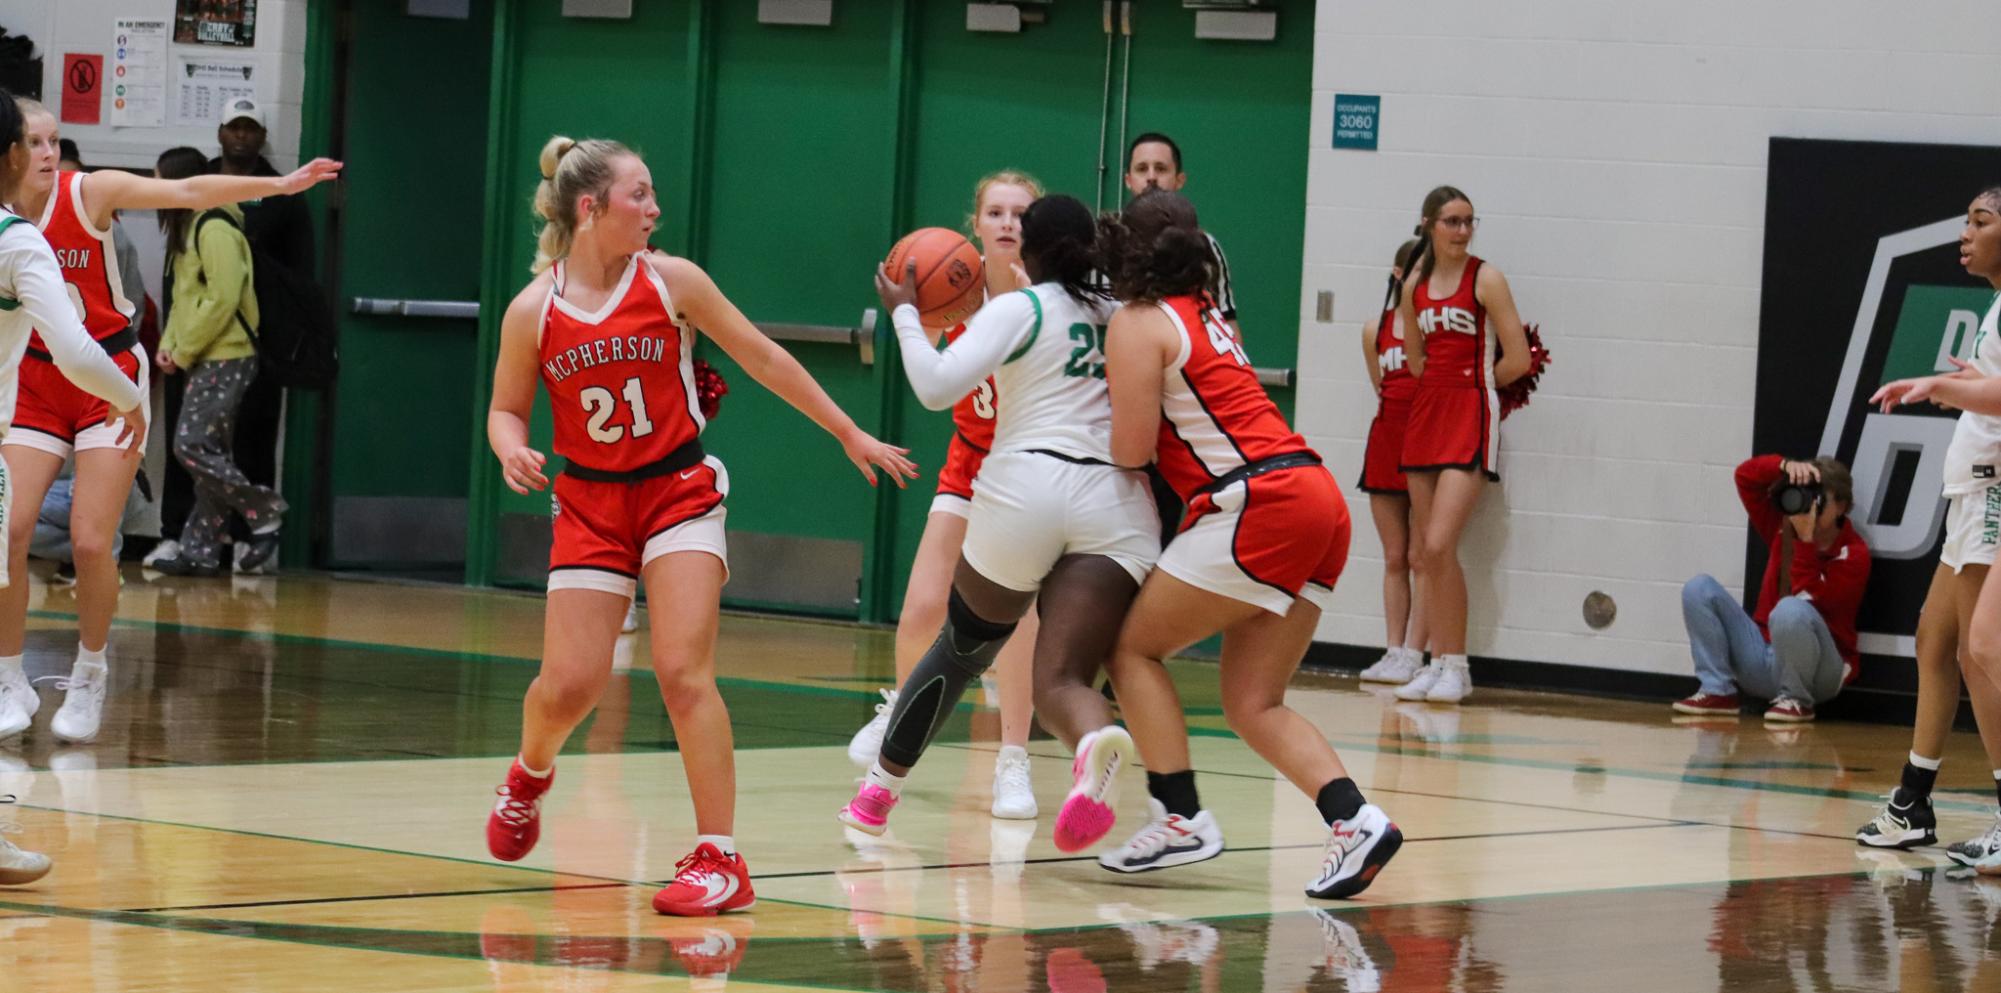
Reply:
x=973 y=415
x=1399 y=386
x=621 y=380
x=1458 y=351
x=1215 y=414
x=88 y=260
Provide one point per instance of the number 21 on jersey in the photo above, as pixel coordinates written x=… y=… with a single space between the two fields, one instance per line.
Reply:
x=600 y=404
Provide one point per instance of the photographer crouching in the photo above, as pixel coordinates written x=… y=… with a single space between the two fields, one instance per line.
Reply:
x=1798 y=649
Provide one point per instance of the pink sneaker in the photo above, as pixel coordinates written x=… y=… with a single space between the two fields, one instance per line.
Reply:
x=869 y=811
x=1087 y=813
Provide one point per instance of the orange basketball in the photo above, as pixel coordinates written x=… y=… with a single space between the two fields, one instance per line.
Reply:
x=950 y=278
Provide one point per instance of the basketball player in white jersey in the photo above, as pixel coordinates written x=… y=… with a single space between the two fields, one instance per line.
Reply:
x=1050 y=513
x=1959 y=630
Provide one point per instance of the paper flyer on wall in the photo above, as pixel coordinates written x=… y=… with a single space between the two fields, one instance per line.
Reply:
x=204 y=85
x=138 y=82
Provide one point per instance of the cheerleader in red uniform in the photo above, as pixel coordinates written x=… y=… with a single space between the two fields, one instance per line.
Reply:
x=1458 y=309
x=1384 y=481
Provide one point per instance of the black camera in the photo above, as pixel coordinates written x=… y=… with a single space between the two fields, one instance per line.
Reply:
x=1797 y=498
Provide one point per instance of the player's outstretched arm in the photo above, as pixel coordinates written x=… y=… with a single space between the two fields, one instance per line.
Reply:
x=108 y=190
x=704 y=306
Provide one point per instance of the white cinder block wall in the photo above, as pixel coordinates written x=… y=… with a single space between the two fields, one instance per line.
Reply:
x=88 y=26
x=1615 y=153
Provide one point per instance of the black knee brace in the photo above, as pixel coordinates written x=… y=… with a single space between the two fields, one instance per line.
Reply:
x=963 y=652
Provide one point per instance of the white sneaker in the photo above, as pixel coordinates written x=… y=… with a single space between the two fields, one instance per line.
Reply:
x=1357 y=849
x=82 y=712
x=1420 y=683
x=24 y=690
x=15 y=717
x=1014 y=797
x=867 y=743
x=1166 y=841
x=631 y=622
x=164 y=550
x=1454 y=683
x=19 y=868
x=1396 y=666
x=1973 y=851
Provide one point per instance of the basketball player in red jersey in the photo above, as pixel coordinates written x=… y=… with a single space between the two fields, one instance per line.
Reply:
x=55 y=419
x=999 y=200
x=1265 y=538
x=1384 y=481
x=1460 y=309
x=608 y=328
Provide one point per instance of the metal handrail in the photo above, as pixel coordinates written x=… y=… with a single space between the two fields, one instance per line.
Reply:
x=862 y=337
x=389 y=307
x=1275 y=377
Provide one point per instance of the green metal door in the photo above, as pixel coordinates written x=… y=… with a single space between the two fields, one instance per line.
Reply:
x=414 y=126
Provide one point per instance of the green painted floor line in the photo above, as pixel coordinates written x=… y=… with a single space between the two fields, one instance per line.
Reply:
x=835 y=692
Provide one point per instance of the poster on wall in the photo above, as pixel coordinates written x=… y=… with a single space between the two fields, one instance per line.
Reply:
x=216 y=22
x=139 y=72
x=204 y=85
x=83 y=88
x=1862 y=285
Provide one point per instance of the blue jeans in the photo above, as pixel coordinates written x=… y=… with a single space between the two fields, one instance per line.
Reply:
x=1731 y=654
x=51 y=540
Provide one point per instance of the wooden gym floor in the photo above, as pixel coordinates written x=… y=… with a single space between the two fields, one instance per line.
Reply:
x=291 y=786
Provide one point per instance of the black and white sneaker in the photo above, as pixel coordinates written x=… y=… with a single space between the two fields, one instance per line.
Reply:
x=1972 y=850
x=1901 y=827
x=1357 y=849
x=1166 y=841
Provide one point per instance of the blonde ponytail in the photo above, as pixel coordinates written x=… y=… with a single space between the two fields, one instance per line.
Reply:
x=570 y=169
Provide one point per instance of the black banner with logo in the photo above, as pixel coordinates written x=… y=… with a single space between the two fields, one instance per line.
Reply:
x=1862 y=285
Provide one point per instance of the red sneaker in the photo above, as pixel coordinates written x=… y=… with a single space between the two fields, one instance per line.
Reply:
x=1786 y=710
x=707 y=882
x=516 y=822
x=1707 y=704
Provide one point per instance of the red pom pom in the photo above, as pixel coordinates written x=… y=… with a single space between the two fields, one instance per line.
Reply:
x=1515 y=395
x=709 y=389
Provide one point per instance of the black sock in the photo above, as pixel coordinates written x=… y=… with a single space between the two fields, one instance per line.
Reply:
x=1338 y=800
x=1175 y=791
x=1917 y=785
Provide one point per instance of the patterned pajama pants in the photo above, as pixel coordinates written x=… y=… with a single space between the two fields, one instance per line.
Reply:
x=203 y=444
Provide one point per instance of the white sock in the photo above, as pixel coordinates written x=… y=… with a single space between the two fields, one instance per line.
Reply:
x=877 y=776
x=1411 y=654
x=724 y=843
x=86 y=655
x=10 y=664
x=1450 y=661
x=1915 y=759
x=536 y=773
x=1007 y=750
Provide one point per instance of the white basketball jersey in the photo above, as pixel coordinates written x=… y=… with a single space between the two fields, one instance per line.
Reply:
x=1974 y=459
x=1054 y=381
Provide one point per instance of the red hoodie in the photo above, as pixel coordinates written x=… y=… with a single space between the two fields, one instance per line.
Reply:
x=1832 y=580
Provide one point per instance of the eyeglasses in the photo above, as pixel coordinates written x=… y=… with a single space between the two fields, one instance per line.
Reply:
x=1459 y=223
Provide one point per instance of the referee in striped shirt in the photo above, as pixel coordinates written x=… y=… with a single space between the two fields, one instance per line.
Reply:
x=1153 y=161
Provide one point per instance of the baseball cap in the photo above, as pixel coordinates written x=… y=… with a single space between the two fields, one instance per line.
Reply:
x=241 y=107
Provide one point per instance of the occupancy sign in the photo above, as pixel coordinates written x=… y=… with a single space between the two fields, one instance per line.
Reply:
x=1357 y=120
x=83 y=88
